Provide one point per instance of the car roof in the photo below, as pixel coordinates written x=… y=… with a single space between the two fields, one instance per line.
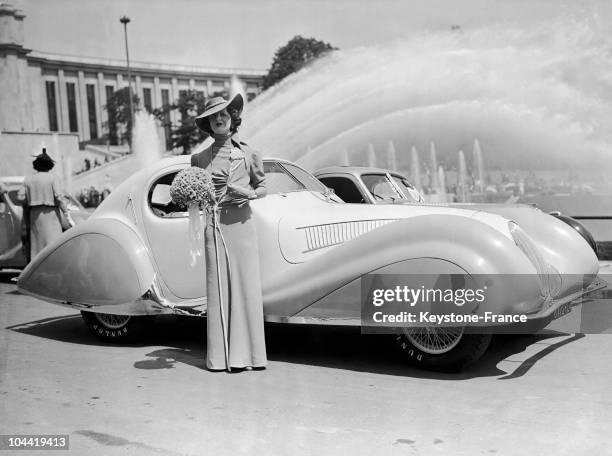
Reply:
x=357 y=170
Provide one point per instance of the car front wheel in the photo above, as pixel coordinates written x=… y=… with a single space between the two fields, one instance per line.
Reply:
x=444 y=349
x=114 y=328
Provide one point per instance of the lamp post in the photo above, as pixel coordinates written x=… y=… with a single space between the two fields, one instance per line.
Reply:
x=125 y=20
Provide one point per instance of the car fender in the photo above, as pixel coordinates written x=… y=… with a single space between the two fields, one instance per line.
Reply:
x=95 y=264
x=468 y=244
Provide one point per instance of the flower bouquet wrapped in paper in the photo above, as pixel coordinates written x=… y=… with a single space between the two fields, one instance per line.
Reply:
x=193 y=188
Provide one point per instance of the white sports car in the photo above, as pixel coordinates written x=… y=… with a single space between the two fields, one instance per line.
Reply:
x=130 y=260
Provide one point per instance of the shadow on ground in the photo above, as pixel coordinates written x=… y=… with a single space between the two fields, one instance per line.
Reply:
x=326 y=346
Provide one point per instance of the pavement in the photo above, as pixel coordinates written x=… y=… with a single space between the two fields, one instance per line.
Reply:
x=326 y=391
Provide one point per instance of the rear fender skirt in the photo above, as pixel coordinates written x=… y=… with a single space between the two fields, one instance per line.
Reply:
x=99 y=264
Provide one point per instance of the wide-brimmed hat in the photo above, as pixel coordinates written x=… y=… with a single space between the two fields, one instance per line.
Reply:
x=216 y=104
x=43 y=157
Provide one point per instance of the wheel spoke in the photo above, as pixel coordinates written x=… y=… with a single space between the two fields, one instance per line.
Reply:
x=435 y=340
x=112 y=321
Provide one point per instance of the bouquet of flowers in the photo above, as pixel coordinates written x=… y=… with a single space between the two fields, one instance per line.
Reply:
x=193 y=185
x=193 y=188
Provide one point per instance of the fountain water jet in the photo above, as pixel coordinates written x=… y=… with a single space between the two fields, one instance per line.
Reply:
x=479 y=165
x=391 y=157
x=442 y=182
x=433 y=164
x=533 y=96
x=415 y=169
x=145 y=140
x=371 y=155
x=237 y=87
x=462 y=178
x=344 y=160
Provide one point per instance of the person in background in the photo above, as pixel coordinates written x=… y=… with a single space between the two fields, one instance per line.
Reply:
x=42 y=202
x=84 y=197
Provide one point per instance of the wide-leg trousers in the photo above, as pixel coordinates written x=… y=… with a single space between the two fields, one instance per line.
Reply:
x=241 y=291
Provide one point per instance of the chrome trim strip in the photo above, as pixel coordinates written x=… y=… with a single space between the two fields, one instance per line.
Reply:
x=312 y=320
x=155 y=299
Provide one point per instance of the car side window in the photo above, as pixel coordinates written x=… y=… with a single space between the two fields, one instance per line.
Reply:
x=345 y=188
x=160 y=201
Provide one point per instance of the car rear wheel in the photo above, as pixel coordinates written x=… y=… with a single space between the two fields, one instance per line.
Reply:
x=445 y=349
x=114 y=328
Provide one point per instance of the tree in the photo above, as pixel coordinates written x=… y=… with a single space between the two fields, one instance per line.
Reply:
x=186 y=134
x=118 y=107
x=294 y=55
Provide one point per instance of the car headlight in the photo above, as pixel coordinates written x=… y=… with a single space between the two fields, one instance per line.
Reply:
x=550 y=281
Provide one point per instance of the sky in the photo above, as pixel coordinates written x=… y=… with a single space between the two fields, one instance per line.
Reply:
x=246 y=33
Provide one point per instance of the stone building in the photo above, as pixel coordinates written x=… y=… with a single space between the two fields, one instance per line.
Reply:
x=58 y=99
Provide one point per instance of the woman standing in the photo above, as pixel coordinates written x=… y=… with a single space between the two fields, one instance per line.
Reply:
x=234 y=311
x=41 y=201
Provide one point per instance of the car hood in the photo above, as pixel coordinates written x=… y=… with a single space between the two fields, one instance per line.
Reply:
x=564 y=259
x=327 y=228
x=561 y=245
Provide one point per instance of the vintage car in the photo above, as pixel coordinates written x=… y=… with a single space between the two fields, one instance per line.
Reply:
x=368 y=185
x=11 y=251
x=131 y=260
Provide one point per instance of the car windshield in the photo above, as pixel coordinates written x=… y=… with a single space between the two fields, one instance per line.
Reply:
x=282 y=177
x=411 y=193
x=278 y=180
x=381 y=187
x=308 y=180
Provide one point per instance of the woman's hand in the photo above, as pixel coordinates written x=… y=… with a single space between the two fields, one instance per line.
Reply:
x=239 y=192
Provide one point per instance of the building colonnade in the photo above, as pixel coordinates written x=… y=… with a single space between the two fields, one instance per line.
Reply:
x=77 y=89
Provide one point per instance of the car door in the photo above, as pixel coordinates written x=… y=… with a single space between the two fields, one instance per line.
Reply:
x=167 y=230
x=10 y=235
